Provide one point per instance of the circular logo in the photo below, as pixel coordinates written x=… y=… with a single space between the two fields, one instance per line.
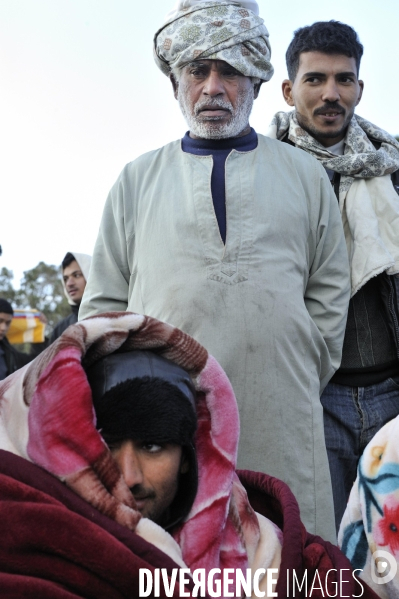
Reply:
x=383 y=567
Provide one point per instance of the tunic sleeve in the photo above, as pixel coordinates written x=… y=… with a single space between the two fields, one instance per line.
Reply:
x=108 y=283
x=328 y=289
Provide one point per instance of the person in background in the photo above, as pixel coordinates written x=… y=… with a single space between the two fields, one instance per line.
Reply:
x=75 y=272
x=362 y=162
x=10 y=358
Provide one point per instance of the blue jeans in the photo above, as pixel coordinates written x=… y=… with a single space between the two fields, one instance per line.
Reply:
x=352 y=416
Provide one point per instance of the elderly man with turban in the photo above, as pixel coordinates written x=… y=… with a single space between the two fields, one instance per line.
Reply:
x=236 y=239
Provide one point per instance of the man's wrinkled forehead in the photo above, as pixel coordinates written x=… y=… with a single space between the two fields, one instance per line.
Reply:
x=209 y=64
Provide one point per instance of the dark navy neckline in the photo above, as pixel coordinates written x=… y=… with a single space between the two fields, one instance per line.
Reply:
x=244 y=143
x=219 y=149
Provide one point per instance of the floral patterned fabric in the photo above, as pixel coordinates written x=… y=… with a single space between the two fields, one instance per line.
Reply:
x=368 y=202
x=371 y=519
x=215 y=30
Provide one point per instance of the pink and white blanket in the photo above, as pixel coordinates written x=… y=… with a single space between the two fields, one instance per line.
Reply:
x=47 y=417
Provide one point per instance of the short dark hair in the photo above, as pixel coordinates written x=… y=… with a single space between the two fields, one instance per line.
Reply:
x=329 y=37
x=68 y=259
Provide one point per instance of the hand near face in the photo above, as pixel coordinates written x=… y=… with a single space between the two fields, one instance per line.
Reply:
x=151 y=472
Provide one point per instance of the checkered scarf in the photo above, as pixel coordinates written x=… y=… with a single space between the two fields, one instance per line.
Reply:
x=360 y=161
x=219 y=30
x=368 y=202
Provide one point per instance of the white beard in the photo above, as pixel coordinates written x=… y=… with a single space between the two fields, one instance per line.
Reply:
x=211 y=127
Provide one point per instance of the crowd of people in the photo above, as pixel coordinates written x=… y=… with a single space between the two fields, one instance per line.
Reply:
x=75 y=270
x=225 y=391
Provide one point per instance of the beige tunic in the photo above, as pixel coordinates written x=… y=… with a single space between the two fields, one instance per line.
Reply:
x=270 y=305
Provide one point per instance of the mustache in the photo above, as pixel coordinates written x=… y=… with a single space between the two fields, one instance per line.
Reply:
x=140 y=492
x=206 y=105
x=329 y=106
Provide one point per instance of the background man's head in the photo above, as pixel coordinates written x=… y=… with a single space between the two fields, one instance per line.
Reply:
x=217 y=57
x=6 y=315
x=323 y=62
x=73 y=278
x=145 y=409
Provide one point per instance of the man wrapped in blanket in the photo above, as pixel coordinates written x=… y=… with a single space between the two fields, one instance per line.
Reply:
x=118 y=449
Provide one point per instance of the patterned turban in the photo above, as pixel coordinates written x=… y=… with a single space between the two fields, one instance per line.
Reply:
x=224 y=30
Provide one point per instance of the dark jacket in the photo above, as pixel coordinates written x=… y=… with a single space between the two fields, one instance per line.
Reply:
x=395 y=181
x=64 y=324
x=390 y=297
x=16 y=359
x=389 y=283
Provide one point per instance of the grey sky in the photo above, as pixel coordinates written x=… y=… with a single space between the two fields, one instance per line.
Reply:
x=81 y=96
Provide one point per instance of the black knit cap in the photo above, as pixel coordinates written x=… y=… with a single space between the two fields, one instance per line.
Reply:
x=6 y=307
x=142 y=396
